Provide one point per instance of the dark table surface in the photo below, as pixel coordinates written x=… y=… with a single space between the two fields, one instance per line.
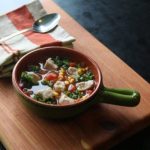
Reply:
x=124 y=27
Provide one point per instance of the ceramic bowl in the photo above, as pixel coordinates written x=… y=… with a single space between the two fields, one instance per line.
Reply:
x=101 y=94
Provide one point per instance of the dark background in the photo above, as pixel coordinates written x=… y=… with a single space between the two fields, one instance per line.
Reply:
x=124 y=27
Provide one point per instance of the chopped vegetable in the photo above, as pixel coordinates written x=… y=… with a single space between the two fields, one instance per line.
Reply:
x=51 y=76
x=76 y=94
x=71 y=88
x=26 y=77
x=34 y=68
x=88 y=75
x=89 y=92
x=46 y=82
x=71 y=79
x=30 y=77
x=72 y=64
x=67 y=82
x=38 y=97
x=81 y=71
x=73 y=95
x=61 y=62
x=58 y=81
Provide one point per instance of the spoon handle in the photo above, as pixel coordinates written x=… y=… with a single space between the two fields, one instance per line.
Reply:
x=14 y=34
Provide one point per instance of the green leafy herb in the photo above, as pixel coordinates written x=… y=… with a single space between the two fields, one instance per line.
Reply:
x=46 y=82
x=50 y=101
x=27 y=79
x=75 y=95
x=34 y=68
x=86 y=76
x=38 y=97
x=61 y=62
x=65 y=63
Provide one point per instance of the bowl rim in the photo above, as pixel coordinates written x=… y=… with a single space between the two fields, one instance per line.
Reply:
x=27 y=98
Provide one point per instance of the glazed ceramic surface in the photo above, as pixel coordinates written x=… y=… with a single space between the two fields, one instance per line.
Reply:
x=124 y=97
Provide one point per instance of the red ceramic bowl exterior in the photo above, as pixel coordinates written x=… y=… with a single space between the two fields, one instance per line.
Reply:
x=50 y=110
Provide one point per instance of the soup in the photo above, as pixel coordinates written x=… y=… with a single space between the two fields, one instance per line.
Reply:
x=58 y=81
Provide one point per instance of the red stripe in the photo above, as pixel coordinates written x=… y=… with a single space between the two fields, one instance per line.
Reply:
x=6 y=48
x=22 y=18
x=11 y=49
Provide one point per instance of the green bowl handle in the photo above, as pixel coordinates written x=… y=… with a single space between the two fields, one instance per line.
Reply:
x=123 y=97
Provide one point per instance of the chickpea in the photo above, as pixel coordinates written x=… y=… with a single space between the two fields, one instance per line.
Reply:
x=56 y=94
x=72 y=80
x=60 y=77
x=69 y=77
x=61 y=73
x=67 y=83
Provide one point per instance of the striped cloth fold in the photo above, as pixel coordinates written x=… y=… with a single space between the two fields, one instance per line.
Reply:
x=19 y=19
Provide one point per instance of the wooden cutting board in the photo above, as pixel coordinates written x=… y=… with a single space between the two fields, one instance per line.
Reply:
x=101 y=127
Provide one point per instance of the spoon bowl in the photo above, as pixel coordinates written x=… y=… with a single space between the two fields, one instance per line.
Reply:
x=46 y=23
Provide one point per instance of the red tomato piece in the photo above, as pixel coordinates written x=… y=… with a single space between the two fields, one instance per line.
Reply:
x=89 y=92
x=51 y=76
x=71 y=88
x=72 y=64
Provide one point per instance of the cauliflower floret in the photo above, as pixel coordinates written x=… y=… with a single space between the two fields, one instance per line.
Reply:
x=65 y=98
x=59 y=86
x=45 y=93
x=82 y=86
x=50 y=64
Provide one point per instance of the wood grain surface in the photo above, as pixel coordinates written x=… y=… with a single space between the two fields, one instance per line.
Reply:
x=101 y=127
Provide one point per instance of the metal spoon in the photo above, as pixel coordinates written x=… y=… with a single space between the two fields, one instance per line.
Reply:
x=42 y=25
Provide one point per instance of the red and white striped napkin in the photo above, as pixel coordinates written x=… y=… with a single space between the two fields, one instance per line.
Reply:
x=19 y=19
